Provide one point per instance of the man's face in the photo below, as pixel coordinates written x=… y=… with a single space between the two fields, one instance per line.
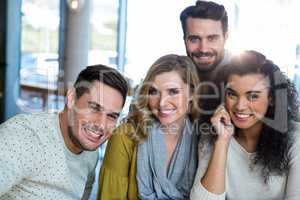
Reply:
x=93 y=116
x=204 y=42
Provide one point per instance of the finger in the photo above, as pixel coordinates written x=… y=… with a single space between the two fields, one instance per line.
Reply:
x=220 y=108
x=223 y=117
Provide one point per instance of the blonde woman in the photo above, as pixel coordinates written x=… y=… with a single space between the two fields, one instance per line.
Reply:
x=154 y=154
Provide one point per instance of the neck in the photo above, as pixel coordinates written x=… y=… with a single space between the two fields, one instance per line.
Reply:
x=205 y=76
x=174 y=130
x=66 y=132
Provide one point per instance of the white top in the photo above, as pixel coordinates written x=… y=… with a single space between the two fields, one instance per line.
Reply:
x=35 y=164
x=243 y=179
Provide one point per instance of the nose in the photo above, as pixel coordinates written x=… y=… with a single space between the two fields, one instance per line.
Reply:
x=101 y=120
x=163 y=99
x=203 y=45
x=241 y=104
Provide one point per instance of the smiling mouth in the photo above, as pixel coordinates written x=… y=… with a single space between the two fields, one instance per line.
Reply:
x=242 y=115
x=166 y=112
x=93 y=135
x=205 y=58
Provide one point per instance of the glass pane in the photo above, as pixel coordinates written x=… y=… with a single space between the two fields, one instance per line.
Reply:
x=104 y=22
x=39 y=56
x=103 y=49
x=150 y=36
x=275 y=35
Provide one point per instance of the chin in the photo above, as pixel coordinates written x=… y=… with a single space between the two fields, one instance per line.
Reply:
x=206 y=67
x=91 y=147
x=244 y=126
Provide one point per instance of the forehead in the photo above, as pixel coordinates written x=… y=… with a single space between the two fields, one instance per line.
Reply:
x=203 y=27
x=108 y=97
x=167 y=80
x=250 y=82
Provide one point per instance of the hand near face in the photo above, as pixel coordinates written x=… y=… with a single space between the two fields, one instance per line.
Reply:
x=221 y=122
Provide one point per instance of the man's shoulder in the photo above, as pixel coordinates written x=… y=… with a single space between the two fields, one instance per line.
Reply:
x=25 y=118
x=29 y=126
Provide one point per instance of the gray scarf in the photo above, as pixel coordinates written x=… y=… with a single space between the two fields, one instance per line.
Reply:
x=154 y=181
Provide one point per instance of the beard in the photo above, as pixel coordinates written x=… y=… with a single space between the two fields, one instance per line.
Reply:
x=74 y=127
x=207 y=66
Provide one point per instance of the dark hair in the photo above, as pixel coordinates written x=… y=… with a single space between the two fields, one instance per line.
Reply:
x=275 y=140
x=205 y=10
x=101 y=73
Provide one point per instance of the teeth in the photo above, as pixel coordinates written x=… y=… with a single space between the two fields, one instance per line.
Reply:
x=97 y=134
x=166 y=111
x=240 y=115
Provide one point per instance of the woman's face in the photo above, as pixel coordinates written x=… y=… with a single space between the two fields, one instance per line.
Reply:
x=169 y=98
x=247 y=99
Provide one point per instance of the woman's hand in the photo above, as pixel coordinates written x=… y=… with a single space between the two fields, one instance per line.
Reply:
x=214 y=177
x=221 y=122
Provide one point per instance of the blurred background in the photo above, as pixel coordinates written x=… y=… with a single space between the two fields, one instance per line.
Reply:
x=45 y=43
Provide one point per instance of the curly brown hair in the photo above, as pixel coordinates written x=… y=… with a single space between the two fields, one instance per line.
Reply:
x=275 y=140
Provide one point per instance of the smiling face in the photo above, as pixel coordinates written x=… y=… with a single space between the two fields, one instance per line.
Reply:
x=93 y=116
x=169 y=98
x=247 y=99
x=205 y=42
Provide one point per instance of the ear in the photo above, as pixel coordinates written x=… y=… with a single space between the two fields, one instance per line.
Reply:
x=226 y=36
x=71 y=97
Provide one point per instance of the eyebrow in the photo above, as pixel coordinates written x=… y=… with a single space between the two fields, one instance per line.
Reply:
x=101 y=108
x=168 y=88
x=248 y=92
x=209 y=35
x=214 y=35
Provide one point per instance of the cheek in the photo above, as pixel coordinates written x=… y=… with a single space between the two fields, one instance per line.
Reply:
x=183 y=102
x=191 y=47
x=261 y=107
x=153 y=103
x=110 y=127
x=229 y=103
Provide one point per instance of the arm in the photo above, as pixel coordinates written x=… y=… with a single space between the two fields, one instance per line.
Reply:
x=114 y=173
x=210 y=178
x=293 y=177
x=19 y=153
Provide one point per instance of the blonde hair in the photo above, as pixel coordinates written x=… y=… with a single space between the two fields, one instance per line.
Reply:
x=141 y=117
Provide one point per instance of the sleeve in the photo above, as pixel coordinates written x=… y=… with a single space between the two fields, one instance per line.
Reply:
x=293 y=184
x=198 y=190
x=114 y=173
x=19 y=153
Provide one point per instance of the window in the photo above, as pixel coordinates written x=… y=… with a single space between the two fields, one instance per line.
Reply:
x=103 y=35
x=39 y=55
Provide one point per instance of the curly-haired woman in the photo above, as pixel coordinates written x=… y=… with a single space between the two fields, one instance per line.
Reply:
x=254 y=152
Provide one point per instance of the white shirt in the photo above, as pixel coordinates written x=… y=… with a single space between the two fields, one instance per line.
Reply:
x=244 y=180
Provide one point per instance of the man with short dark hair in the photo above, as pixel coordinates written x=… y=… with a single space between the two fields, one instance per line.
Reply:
x=52 y=156
x=205 y=29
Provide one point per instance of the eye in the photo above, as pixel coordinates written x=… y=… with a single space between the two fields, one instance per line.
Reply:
x=193 y=39
x=153 y=91
x=213 y=38
x=94 y=108
x=112 y=117
x=253 y=97
x=230 y=94
x=173 y=91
